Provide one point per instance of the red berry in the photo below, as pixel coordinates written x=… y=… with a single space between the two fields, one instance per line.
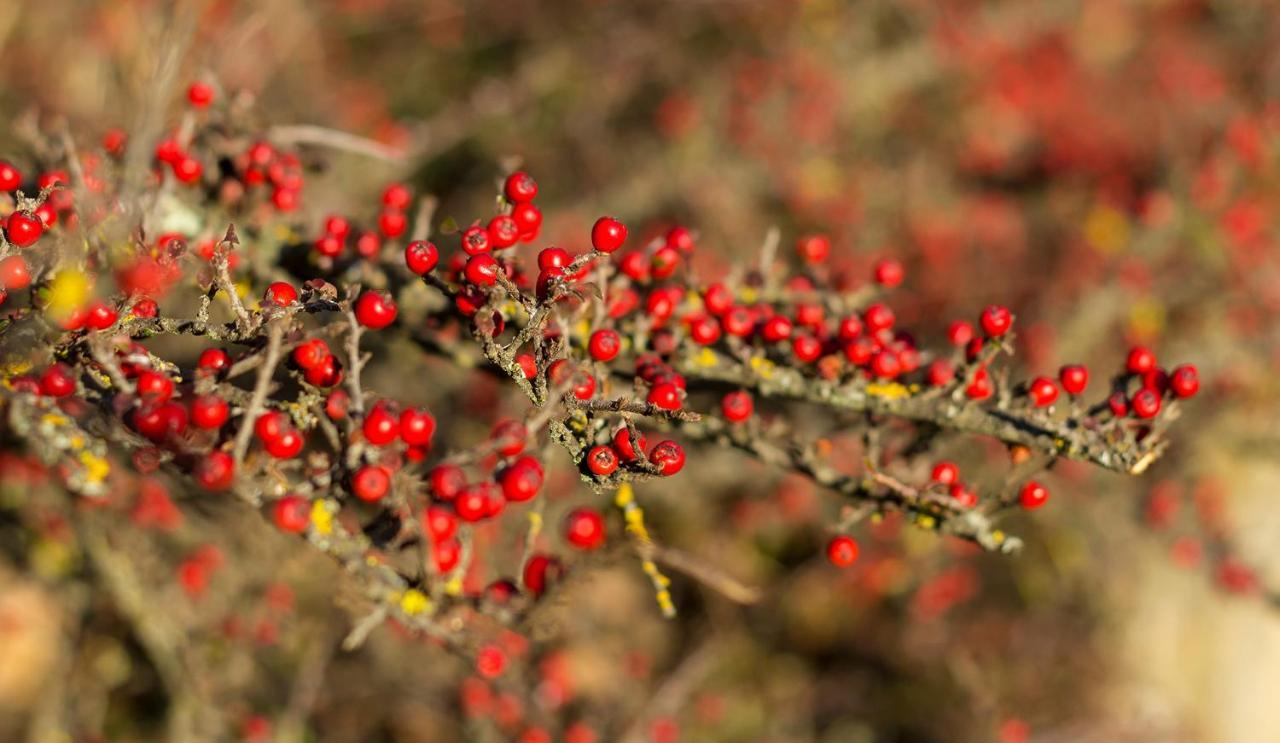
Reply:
x=188 y=169
x=528 y=365
x=213 y=361
x=806 y=348
x=562 y=372
x=329 y=246
x=1146 y=403
x=940 y=373
x=23 y=229
x=1074 y=378
x=878 y=317
x=622 y=445
x=1185 y=380
x=375 y=310
x=946 y=473
x=842 y=551
x=101 y=316
x=371 y=483
x=440 y=523
x=482 y=270
x=520 y=187
x=446 y=553
x=602 y=461
x=980 y=387
x=200 y=94
x=145 y=307
x=447 y=480
x=475 y=240
x=10 y=178
x=737 y=406
x=553 y=257
x=777 y=328
x=996 y=320
x=540 y=572
x=1119 y=404
x=604 y=344
x=209 y=411
x=813 y=248
x=666 y=396
x=584 y=529
x=285 y=446
x=310 y=354
x=522 y=480
x=664 y=263
x=964 y=496
x=421 y=256
x=417 y=427
x=885 y=365
x=338 y=226
x=57 y=381
x=705 y=330
x=380 y=426
x=281 y=294
x=1043 y=391
x=608 y=234
x=270 y=425
x=528 y=219
x=1140 y=361
x=668 y=456
x=215 y=471
x=1033 y=495
x=14 y=273
x=154 y=387
x=503 y=231
x=473 y=504
x=396 y=196
x=959 y=333
x=889 y=273
x=491 y=661
x=392 y=223
x=292 y=514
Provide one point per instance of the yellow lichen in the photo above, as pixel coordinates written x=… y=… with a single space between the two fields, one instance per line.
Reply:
x=414 y=602
x=321 y=517
x=888 y=390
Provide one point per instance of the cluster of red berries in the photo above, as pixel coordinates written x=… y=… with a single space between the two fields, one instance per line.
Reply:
x=393 y=222
x=1146 y=386
x=623 y=450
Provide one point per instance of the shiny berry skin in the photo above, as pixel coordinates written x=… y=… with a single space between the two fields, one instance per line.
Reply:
x=380 y=426
x=101 y=316
x=885 y=365
x=776 y=329
x=154 y=387
x=705 y=330
x=447 y=480
x=188 y=169
x=482 y=270
x=371 y=483
x=292 y=514
x=813 y=249
x=521 y=481
x=850 y=329
x=668 y=457
x=440 y=523
x=337 y=226
x=270 y=425
x=959 y=333
x=23 y=229
x=1033 y=495
x=1074 y=378
x=310 y=354
x=718 y=299
x=213 y=361
x=889 y=273
x=584 y=529
x=520 y=187
x=503 y=231
x=1185 y=380
x=528 y=365
x=14 y=273
x=285 y=446
x=1140 y=360
x=215 y=471
x=806 y=348
x=57 y=381
x=842 y=551
x=1146 y=403
x=602 y=461
x=446 y=554
x=946 y=473
x=608 y=234
x=475 y=240
x=281 y=294
x=604 y=344
x=980 y=388
x=996 y=320
x=666 y=396
x=10 y=177
x=396 y=196
x=737 y=406
x=622 y=445
x=392 y=224
x=963 y=495
x=421 y=256
x=325 y=374
x=473 y=504
x=1043 y=392
x=375 y=310
x=209 y=411
x=1156 y=380
x=417 y=427
x=553 y=257
x=200 y=94
x=878 y=317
